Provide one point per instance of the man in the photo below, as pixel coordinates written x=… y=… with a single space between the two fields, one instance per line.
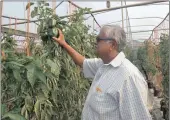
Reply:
x=118 y=90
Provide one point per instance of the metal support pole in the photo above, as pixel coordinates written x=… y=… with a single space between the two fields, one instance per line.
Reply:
x=122 y=15
x=102 y=10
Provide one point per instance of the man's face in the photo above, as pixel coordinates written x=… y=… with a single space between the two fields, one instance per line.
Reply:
x=103 y=47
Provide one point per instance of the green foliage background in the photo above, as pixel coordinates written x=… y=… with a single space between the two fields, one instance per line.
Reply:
x=47 y=85
x=146 y=65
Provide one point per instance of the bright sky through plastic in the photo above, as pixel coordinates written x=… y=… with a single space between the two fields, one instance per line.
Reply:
x=17 y=9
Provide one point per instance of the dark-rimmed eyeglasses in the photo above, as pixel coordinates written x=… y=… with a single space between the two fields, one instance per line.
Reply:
x=104 y=39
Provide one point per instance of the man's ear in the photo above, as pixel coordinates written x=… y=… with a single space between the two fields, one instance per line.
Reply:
x=112 y=47
x=115 y=45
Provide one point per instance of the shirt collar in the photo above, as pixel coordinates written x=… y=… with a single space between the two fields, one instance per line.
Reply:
x=118 y=60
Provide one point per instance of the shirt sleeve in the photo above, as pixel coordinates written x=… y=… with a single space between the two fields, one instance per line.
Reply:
x=90 y=67
x=131 y=104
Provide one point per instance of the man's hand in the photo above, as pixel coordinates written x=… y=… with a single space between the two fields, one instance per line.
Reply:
x=77 y=58
x=61 y=39
x=3 y=55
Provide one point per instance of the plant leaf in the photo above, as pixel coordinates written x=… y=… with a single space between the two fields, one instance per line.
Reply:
x=15 y=63
x=3 y=109
x=38 y=29
x=55 y=68
x=40 y=75
x=17 y=75
x=37 y=109
x=46 y=4
x=13 y=116
x=36 y=10
x=28 y=103
x=33 y=14
x=54 y=95
x=31 y=75
x=29 y=4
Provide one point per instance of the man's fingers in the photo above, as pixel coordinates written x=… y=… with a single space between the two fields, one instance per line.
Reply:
x=59 y=32
x=55 y=38
x=61 y=36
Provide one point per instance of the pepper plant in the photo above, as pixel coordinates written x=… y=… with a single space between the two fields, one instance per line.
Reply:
x=47 y=85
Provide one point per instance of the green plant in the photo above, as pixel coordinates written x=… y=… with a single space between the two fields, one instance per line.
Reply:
x=143 y=62
x=47 y=85
x=164 y=54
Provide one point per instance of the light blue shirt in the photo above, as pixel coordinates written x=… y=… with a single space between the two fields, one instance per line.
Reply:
x=118 y=91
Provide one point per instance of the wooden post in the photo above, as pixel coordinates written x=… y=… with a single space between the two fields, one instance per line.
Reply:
x=53 y=6
x=9 y=25
x=1 y=5
x=128 y=26
x=70 y=9
x=27 y=32
x=93 y=25
x=15 y=28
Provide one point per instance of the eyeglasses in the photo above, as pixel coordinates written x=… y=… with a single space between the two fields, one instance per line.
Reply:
x=105 y=39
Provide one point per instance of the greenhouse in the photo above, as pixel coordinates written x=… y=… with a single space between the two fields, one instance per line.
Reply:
x=68 y=60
